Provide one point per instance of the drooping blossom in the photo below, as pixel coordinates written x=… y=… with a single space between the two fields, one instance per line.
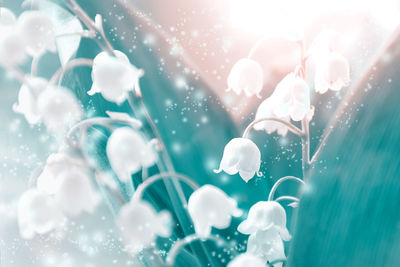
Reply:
x=267 y=245
x=247 y=260
x=266 y=110
x=28 y=99
x=37 y=29
x=12 y=43
x=75 y=193
x=209 y=207
x=37 y=213
x=128 y=152
x=246 y=76
x=266 y=225
x=292 y=96
x=114 y=76
x=69 y=184
x=140 y=224
x=59 y=109
x=241 y=156
x=266 y=215
x=332 y=72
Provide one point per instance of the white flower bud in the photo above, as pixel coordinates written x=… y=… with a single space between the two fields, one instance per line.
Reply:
x=114 y=76
x=59 y=109
x=266 y=110
x=37 y=29
x=28 y=97
x=37 y=213
x=241 y=156
x=128 y=152
x=209 y=207
x=140 y=224
x=246 y=75
x=12 y=46
x=266 y=215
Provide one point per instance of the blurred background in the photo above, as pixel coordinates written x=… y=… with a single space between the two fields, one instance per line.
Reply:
x=348 y=215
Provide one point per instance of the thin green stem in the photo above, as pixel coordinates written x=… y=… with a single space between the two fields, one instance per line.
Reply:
x=279 y=182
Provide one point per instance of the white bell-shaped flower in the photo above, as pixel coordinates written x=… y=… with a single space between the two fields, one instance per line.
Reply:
x=267 y=245
x=140 y=224
x=59 y=109
x=37 y=213
x=47 y=181
x=332 y=72
x=128 y=152
x=75 y=193
x=266 y=215
x=266 y=110
x=28 y=98
x=293 y=98
x=12 y=43
x=241 y=156
x=37 y=29
x=247 y=260
x=114 y=76
x=7 y=17
x=246 y=76
x=209 y=207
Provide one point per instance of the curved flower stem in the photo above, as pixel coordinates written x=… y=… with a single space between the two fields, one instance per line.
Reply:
x=34 y=65
x=164 y=175
x=305 y=143
x=173 y=252
x=79 y=62
x=291 y=127
x=295 y=199
x=280 y=181
x=256 y=46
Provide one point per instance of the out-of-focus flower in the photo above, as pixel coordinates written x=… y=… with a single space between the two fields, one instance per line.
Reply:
x=140 y=224
x=56 y=163
x=128 y=152
x=37 y=29
x=209 y=207
x=332 y=72
x=7 y=17
x=114 y=76
x=246 y=260
x=12 y=43
x=292 y=96
x=75 y=193
x=241 y=156
x=37 y=213
x=266 y=110
x=267 y=245
x=59 y=109
x=28 y=97
x=266 y=215
x=246 y=75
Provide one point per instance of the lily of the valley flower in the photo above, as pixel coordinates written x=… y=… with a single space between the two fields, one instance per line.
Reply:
x=247 y=76
x=12 y=43
x=246 y=260
x=69 y=184
x=37 y=29
x=292 y=96
x=267 y=245
x=332 y=72
x=114 y=76
x=266 y=110
x=241 y=156
x=128 y=152
x=266 y=215
x=28 y=98
x=37 y=213
x=209 y=207
x=140 y=224
x=59 y=109
x=75 y=193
